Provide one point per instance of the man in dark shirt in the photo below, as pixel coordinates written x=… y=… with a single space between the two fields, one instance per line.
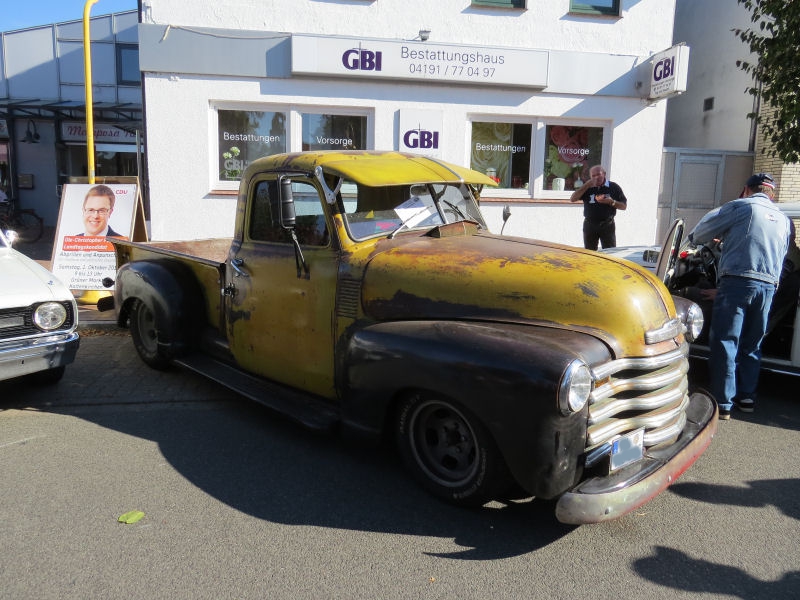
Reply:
x=601 y=201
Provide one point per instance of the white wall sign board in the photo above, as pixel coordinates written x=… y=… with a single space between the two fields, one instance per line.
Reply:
x=423 y=61
x=421 y=132
x=669 y=72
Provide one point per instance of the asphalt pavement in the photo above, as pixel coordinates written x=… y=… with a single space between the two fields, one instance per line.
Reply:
x=241 y=503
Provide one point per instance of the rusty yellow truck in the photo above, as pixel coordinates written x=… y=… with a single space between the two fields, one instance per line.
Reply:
x=362 y=292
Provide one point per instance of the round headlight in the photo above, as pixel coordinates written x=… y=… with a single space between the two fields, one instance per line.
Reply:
x=694 y=322
x=49 y=316
x=576 y=386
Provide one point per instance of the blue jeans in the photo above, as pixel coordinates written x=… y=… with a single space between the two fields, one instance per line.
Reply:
x=738 y=323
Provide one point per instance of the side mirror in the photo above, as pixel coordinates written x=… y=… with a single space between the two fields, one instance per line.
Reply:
x=506 y=217
x=288 y=216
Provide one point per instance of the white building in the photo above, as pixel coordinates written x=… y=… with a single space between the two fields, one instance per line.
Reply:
x=529 y=88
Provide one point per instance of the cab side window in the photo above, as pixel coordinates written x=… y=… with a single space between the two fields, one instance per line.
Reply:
x=310 y=225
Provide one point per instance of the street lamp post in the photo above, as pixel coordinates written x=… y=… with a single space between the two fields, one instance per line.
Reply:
x=87 y=69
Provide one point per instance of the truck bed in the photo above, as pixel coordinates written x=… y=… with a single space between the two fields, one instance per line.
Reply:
x=206 y=258
x=210 y=251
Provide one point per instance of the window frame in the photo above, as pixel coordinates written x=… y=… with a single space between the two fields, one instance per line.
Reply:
x=536 y=192
x=515 y=4
x=133 y=49
x=593 y=8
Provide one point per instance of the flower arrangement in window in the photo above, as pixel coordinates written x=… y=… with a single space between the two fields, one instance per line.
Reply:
x=232 y=167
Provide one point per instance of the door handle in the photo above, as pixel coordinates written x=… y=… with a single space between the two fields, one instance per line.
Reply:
x=236 y=265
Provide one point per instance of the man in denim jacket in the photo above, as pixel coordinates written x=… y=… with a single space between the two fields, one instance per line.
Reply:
x=755 y=238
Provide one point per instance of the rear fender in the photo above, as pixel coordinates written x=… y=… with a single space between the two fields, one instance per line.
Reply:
x=171 y=291
x=506 y=375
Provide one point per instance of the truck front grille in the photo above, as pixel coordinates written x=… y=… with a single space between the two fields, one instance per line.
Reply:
x=635 y=393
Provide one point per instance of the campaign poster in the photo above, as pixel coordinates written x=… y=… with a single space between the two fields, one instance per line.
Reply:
x=82 y=256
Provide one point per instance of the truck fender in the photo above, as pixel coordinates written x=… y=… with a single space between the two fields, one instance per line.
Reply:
x=494 y=370
x=170 y=290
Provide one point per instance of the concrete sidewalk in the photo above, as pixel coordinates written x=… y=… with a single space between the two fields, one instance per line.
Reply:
x=88 y=315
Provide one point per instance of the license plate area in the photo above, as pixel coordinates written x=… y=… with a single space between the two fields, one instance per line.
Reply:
x=627 y=449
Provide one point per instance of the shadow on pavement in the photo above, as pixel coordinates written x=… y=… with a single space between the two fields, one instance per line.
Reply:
x=695 y=575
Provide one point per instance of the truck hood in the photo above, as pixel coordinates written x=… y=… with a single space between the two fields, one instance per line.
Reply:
x=518 y=280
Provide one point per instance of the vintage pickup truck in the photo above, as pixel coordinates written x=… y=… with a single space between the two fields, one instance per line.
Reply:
x=363 y=291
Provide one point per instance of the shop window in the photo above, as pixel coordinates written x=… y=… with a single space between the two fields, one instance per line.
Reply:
x=334 y=132
x=503 y=152
x=245 y=136
x=503 y=3
x=128 y=64
x=570 y=151
x=595 y=7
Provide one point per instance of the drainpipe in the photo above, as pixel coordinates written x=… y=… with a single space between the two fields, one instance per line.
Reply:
x=87 y=84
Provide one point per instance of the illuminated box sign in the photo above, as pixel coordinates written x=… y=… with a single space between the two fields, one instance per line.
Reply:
x=418 y=61
x=669 y=72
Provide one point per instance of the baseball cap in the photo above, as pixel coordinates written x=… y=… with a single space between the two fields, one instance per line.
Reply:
x=760 y=179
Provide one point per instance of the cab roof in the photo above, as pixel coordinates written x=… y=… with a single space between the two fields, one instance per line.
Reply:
x=374 y=168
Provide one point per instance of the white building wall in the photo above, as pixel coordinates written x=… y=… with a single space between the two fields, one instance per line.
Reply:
x=595 y=89
x=707 y=28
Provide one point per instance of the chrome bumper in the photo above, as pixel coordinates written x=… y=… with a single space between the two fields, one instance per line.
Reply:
x=604 y=498
x=31 y=355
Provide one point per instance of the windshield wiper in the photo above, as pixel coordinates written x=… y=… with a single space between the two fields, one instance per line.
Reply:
x=461 y=213
x=406 y=221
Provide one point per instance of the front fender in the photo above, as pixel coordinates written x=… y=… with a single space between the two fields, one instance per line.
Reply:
x=507 y=375
x=171 y=291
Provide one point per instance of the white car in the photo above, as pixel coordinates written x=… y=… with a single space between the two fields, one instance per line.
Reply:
x=38 y=318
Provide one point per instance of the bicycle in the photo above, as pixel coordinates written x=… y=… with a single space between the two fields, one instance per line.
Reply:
x=28 y=225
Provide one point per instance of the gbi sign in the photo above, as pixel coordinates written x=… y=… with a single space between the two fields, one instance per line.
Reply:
x=664 y=68
x=668 y=72
x=358 y=59
x=421 y=139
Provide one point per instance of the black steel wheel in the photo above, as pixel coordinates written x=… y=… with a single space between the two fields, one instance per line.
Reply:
x=145 y=335
x=449 y=451
x=28 y=225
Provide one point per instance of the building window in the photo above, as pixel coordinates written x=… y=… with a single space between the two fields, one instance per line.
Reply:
x=503 y=152
x=334 y=132
x=570 y=151
x=595 y=7
x=244 y=136
x=128 y=64
x=502 y=3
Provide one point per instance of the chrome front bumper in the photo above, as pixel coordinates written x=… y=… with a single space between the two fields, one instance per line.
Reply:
x=31 y=355
x=604 y=498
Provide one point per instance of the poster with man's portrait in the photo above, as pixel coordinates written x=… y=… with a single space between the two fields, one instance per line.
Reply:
x=82 y=256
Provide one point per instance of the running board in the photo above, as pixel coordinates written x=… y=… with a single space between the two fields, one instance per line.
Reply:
x=307 y=410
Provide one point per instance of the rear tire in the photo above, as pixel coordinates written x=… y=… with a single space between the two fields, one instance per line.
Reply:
x=449 y=451
x=145 y=336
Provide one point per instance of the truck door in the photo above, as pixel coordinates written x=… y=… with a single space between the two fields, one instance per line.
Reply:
x=279 y=322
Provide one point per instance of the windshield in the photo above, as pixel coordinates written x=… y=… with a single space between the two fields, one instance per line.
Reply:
x=383 y=211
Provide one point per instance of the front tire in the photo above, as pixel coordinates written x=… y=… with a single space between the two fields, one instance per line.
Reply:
x=449 y=451
x=145 y=336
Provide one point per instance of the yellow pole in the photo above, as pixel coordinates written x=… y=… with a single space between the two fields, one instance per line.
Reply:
x=87 y=83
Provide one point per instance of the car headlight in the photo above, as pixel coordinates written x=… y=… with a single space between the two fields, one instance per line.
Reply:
x=693 y=322
x=49 y=316
x=576 y=386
